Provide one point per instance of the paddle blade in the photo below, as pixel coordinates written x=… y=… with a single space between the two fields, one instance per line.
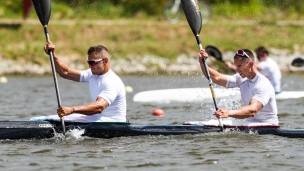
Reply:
x=298 y=62
x=193 y=15
x=43 y=10
x=215 y=52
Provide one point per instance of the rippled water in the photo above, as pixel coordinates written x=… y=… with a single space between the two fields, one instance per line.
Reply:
x=25 y=97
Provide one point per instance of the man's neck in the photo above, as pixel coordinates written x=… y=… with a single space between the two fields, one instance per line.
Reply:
x=263 y=58
x=253 y=73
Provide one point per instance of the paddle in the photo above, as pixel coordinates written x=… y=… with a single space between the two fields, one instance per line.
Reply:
x=298 y=62
x=215 y=52
x=194 y=18
x=43 y=10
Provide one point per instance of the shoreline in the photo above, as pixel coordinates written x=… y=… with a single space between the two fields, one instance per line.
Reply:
x=159 y=52
x=146 y=64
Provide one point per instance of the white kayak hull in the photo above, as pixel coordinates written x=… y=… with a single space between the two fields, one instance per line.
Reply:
x=182 y=95
x=199 y=95
x=290 y=95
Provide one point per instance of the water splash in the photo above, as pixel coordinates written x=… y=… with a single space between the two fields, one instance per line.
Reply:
x=231 y=102
x=75 y=134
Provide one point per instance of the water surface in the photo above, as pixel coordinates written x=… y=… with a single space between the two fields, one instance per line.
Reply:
x=26 y=97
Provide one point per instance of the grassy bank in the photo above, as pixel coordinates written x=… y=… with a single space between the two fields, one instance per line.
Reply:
x=138 y=37
x=138 y=28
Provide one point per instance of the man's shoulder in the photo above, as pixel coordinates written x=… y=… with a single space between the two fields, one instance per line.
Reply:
x=85 y=75
x=271 y=60
x=113 y=79
x=261 y=77
x=264 y=82
x=86 y=71
x=239 y=78
x=112 y=75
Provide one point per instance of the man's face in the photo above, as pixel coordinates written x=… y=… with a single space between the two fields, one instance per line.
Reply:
x=261 y=56
x=97 y=63
x=242 y=66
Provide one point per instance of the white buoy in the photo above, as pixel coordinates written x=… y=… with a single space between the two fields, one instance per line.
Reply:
x=3 y=79
x=129 y=89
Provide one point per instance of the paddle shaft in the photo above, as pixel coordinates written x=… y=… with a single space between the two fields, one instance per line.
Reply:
x=194 y=18
x=43 y=10
x=54 y=75
x=209 y=79
x=207 y=73
x=53 y=67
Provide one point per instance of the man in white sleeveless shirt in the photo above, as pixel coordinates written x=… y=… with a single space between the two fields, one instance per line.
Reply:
x=107 y=91
x=257 y=92
x=269 y=68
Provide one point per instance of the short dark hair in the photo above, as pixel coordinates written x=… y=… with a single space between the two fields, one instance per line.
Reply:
x=97 y=49
x=261 y=50
x=248 y=52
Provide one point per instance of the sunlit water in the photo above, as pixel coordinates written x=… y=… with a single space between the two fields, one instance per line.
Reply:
x=24 y=97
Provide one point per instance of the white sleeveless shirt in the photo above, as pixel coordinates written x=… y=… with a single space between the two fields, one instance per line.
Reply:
x=260 y=89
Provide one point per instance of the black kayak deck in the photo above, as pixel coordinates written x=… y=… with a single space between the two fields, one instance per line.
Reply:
x=47 y=129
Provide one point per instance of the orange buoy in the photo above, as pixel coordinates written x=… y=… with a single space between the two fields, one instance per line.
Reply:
x=158 y=112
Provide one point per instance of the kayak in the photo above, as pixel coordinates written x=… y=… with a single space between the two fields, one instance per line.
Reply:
x=48 y=129
x=199 y=95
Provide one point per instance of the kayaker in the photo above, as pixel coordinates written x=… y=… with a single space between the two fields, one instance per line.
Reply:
x=107 y=90
x=256 y=90
x=266 y=66
x=269 y=68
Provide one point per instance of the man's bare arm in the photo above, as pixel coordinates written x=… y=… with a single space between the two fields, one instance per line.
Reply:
x=89 y=109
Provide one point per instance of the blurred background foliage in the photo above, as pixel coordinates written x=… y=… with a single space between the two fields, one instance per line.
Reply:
x=117 y=9
x=131 y=34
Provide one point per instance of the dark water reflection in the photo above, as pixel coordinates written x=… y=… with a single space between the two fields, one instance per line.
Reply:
x=26 y=97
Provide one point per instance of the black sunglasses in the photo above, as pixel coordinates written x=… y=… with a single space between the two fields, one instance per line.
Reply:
x=94 y=62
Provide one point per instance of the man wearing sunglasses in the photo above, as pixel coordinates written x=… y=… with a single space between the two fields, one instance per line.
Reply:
x=257 y=92
x=107 y=91
x=266 y=66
